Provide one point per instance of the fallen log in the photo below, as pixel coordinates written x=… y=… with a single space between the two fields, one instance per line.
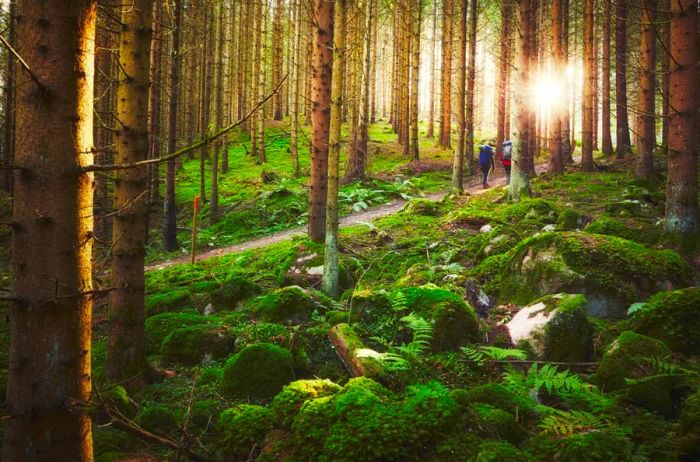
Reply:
x=359 y=360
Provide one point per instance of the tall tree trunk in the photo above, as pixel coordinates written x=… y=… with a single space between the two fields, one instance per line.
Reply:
x=458 y=161
x=320 y=116
x=556 y=161
x=331 y=268
x=277 y=57
x=588 y=78
x=431 y=111
x=519 y=180
x=684 y=137
x=220 y=145
x=646 y=108
x=296 y=88
x=446 y=76
x=262 y=76
x=623 y=130
x=665 y=72
x=373 y=69
x=126 y=338
x=567 y=148
x=471 y=89
x=416 y=20
x=170 y=238
x=154 y=117
x=607 y=147
x=503 y=73
x=9 y=105
x=50 y=320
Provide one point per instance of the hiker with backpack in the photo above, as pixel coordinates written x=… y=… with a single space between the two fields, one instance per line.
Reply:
x=486 y=161
x=506 y=158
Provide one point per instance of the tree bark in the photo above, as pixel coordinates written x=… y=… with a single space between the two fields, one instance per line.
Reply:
x=277 y=57
x=446 y=76
x=471 y=89
x=416 y=20
x=646 y=108
x=9 y=105
x=588 y=84
x=296 y=88
x=50 y=321
x=458 y=160
x=431 y=111
x=503 y=73
x=320 y=117
x=567 y=148
x=623 y=131
x=607 y=147
x=684 y=123
x=556 y=160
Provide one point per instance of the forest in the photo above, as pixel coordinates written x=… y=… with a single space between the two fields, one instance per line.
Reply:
x=349 y=230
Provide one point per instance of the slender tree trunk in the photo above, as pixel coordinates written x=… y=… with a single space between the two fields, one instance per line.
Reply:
x=320 y=117
x=431 y=111
x=556 y=161
x=607 y=147
x=126 y=338
x=519 y=181
x=373 y=68
x=471 y=89
x=331 y=268
x=170 y=239
x=50 y=320
x=665 y=72
x=416 y=20
x=567 y=148
x=9 y=105
x=458 y=161
x=262 y=113
x=684 y=137
x=503 y=73
x=220 y=145
x=588 y=78
x=646 y=108
x=296 y=88
x=446 y=77
x=154 y=120
x=623 y=131
x=277 y=57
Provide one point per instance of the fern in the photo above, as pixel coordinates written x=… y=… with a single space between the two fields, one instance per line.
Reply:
x=660 y=367
x=399 y=301
x=480 y=355
x=566 y=423
x=400 y=357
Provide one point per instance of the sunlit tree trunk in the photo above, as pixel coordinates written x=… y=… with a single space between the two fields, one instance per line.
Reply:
x=556 y=161
x=646 y=108
x=567 y=148
x=219 y=118
x=446 y=75
x=588 y=84
x=607 y=147
x=665 y=73
x=503 y=72
x=431 y=111
x=277 y=57
x=154 y=109
x=296 y=88
x=471 y=88
x=458 y=160
x=330 y=266
x=684 y=124
x=320 y=116
x=623 y=131
x=49 y=380
x=416 y=20
x=261 y=114
x=519 y=181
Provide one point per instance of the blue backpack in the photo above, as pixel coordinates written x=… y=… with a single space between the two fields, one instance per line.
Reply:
x=485 y=155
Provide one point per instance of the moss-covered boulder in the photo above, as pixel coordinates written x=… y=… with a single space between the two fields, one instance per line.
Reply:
x=118 y=397
x=258 y=372
x=250 y=333
x=644 y=234
x=611 y=272
x=674 y=318
x=370 y=305
x=569 y=220
x=232 y=291
x=501 y=451
x=287 y=403
x=497 y=395
x=455 y=323
x=159 y=419
x=422 y=207
x=291 y=304
x=161 y=325
x=494 y=423
x=241 y=428
x=627 y=365
x=174 y=300
x=555 y=328
x=196 y=345
x=689 y=426
x=532 y=212
x=590 y=446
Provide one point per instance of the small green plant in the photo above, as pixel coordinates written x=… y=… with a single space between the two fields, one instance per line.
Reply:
x=482 y=354
x=400 y=357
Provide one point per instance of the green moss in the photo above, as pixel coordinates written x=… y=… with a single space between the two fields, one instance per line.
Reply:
x=107 y=440
x=260 y=332
x=533 y=212
x=159 y=419
x=174 y=300
x=628 y=358
x=289 y=304
x=497 y=395
x=568 y=336
x=674 y=318
x=494 y=423
x=455 y=322
x=241 y=428
x=457 y=446
x=370 y=305
x=257 y=372
x=287 y=403
x=196 y=344
x=593 y=446
x=500 y=451
x=161 y=325
x=204 y=413
x=234 y=290
x=371 y=366
x=429 y=409
x=689 y=422
x=119 y=398
x=569 y=220
x=422 y=207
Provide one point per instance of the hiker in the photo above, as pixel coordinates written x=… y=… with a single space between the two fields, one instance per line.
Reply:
x=486 y=161
x=506 y=158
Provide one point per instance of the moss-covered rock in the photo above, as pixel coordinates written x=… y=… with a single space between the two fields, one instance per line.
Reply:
x=644 y=234
x=689 y=423
x=159 y=419
x=494 y=423
x=287 y=403
x=497 y=395
x=555 y=327
x=500 y=451
x=422 y=207
x=611 y=272
x=592 y=446
x=118 y=397
x=533 y=212
x=569 y=220
x=232 y=291
x=455 y=322
x=161 y=325
x=629 y=359
x=196 y=345
x=257 y=372
x=108 y=441
x=241 y=428
x=370 y=305
x=286 y=305
x=250 y=333
x=174 y=300
x=673 y=317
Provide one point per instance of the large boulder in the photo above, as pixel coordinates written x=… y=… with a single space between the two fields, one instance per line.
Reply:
x=258 y=372
x=232 y=291
x=555 y=327
x=674 y=318
x=287 y=403
x=196 y=345
x=455 y=323
x=611 y=272
x=158 y=327
x=627 y=365
x=292 y=305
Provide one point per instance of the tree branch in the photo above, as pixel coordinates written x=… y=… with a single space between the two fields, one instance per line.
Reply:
x=21 y=61
x=205 y=140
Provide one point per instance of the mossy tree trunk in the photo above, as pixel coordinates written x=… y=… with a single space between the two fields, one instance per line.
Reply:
x=50 y=319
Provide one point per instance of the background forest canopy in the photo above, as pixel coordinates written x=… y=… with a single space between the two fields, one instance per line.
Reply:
x=270 y=230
